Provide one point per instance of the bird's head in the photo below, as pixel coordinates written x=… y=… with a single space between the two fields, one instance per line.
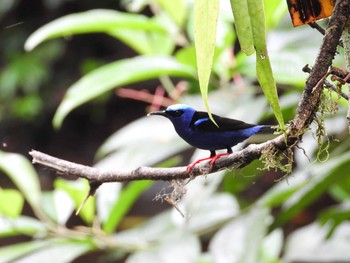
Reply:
x=179 y=114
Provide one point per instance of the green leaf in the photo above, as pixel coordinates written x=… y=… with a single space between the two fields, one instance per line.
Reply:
x=251 y=31
x=243 y=25
x=334 y=216
x=78 y=190
x=275 y=11
x=115 y=74
x=324 y=175
x=263 y=65
x=281 y=192
x=148 y=42
x=145 y=43
x=22 y=173
x=205 y=21
x=94 y=21
x=126 y=199
x=176 y=9
x=11 y=202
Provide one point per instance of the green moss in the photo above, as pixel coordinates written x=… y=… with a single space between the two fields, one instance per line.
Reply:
x=273 y=158
x=327 y=106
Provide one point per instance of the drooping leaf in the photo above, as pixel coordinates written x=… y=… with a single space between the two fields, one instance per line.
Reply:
x=22 y=173
x=205 y=21
x=263 y=65
x=11 y=202
x=251 y=31
x=115 y=74
x=94 y=21
x=243 y=25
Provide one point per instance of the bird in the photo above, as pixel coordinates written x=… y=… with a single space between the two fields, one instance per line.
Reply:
x=196 y=128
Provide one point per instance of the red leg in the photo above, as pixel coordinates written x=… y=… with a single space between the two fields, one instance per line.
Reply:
x=212 y=159
x=190 y=166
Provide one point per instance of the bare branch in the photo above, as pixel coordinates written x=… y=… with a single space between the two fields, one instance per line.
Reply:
x=235 y=160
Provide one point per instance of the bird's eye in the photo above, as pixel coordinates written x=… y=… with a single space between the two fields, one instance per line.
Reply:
x=175 y=113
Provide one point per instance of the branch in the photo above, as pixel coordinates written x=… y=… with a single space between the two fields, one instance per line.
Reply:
x=313 y=89
x=329 y=85
x=305 y=115
x=236 y=160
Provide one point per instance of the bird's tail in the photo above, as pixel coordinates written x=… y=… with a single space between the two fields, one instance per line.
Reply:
x=266 y=133
x=266 y=129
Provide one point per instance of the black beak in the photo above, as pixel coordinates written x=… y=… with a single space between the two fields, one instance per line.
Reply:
x=161 y=113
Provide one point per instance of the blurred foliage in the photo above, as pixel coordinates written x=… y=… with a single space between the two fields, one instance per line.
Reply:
x=227 y=217
x=21 y=79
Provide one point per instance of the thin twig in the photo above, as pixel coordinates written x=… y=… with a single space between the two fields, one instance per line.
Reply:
x=328 y=85
x=316 y=26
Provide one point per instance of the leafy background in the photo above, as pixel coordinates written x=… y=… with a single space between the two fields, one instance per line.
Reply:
x=65 y=95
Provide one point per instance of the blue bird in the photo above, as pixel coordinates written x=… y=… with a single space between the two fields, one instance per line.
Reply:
x=198 y=130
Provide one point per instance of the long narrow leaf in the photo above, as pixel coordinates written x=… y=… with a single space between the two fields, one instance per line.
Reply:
x=94 y=21
x=205 y=22
x=263 y=65
x=115 y=74
x=243 y=25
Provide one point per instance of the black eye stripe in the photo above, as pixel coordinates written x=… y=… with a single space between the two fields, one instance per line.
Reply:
x=175 y=113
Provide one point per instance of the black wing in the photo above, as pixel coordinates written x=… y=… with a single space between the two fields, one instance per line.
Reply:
x=201 y=122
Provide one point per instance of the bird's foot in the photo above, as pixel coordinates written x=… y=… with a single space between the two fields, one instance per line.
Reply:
x=214 y=158
x=212 y=161
x=190 y=166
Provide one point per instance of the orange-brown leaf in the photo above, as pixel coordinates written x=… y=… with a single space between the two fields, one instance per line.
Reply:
x=307 y=11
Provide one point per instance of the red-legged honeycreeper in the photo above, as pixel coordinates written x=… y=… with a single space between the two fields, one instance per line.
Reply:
x=198 y=130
